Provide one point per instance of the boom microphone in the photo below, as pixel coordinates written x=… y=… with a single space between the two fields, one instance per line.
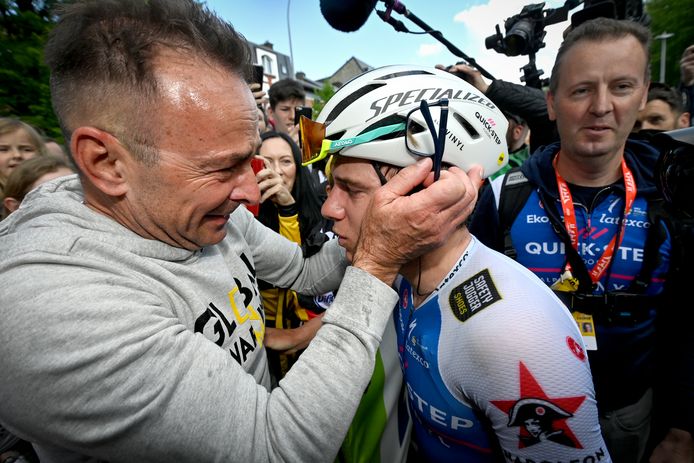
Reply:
x=347 y=15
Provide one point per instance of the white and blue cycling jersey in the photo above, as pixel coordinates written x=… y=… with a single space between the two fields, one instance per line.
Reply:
x=495 y=368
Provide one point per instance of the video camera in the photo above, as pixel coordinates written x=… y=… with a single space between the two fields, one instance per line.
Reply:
x=525 y=33
x=674 y=170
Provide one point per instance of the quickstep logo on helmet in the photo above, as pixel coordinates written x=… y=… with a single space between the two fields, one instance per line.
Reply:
x=488 y=127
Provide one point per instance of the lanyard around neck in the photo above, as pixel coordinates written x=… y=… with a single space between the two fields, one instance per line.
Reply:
x=567 y=205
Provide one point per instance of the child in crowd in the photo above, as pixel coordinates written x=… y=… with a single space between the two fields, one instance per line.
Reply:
x=18 y=142
x=30 y=174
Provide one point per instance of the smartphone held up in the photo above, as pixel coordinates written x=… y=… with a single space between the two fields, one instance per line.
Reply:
x=257 y=164
x=258 y=74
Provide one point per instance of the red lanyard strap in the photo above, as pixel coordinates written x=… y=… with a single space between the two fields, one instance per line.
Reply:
x=570 y=219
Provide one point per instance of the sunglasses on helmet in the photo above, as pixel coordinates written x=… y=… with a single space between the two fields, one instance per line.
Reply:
x=419 y=140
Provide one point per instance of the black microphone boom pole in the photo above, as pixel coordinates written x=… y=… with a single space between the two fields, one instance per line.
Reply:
x=399 y=7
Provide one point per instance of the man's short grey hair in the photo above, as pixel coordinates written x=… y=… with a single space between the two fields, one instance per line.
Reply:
x=101 y=55
x=600 y=30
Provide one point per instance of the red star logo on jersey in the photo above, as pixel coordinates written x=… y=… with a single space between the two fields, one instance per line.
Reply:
x=539 y=416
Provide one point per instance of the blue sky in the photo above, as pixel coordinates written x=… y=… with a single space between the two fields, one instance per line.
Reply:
x=319 y=50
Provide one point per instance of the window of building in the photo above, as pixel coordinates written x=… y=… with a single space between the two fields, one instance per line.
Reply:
x=267 y=65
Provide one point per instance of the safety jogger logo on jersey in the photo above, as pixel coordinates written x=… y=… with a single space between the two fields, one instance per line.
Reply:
x=473 y=295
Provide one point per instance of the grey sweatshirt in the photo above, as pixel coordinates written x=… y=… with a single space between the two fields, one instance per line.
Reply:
x=126 y=349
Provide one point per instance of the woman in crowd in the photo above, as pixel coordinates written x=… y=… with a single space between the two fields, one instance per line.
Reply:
x=290 y=205
x=18 y=142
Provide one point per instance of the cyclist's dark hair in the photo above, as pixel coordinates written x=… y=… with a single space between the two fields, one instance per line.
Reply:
x=601 y=30
x=285 y=89
x=102 y=54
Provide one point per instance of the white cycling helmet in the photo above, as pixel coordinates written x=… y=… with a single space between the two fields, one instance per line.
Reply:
x=476 y=128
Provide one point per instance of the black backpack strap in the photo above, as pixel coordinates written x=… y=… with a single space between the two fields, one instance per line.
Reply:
x=578 y=266
x=515 y=190
x=658 y=217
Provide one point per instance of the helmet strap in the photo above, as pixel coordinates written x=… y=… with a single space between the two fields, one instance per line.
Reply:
x=377 y=168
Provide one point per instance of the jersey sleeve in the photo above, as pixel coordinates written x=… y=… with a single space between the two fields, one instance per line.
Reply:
x=527 y=370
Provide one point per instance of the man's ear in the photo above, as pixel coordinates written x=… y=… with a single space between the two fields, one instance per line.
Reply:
x=684 y=120
x=550 y=106
x=99 y=156
x=10 y=203
x=518 y=132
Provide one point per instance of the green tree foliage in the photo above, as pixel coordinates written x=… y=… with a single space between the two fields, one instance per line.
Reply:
x=24 y=89
x=670 y=16
x=322 y=97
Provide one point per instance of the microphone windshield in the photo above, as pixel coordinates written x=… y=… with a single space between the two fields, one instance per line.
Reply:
x=347 y=15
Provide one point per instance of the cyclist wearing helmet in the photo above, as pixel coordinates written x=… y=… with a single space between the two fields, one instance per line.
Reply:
x=494 y=365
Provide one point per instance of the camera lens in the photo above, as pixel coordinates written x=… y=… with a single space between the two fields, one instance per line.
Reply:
x=519 y=37
x=674 y=174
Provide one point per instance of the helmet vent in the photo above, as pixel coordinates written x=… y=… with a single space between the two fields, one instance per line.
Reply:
x=390 y=120
x=394 y=75
x=474 y=134
x=349 y=100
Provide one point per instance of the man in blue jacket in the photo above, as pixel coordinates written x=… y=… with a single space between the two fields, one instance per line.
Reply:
x=577 y=215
